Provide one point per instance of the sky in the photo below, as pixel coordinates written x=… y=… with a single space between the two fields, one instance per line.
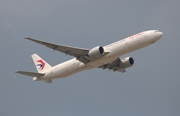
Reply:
x=151 y=87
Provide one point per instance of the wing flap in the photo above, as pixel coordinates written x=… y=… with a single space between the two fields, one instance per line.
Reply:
x=73 y=51
x=79 y=53
x=32 y=74
x=116 y=65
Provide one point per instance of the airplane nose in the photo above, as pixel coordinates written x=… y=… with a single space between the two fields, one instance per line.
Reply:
x=160 y=34
x=156 y=36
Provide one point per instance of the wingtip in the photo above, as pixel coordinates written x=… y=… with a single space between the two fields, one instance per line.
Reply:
x=17 y=71
x=27 y=38
x=32 y=39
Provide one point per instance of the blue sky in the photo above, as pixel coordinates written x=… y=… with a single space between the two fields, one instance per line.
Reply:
x=150 y=87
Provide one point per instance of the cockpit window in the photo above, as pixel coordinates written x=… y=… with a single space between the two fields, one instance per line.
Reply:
x=156 y=31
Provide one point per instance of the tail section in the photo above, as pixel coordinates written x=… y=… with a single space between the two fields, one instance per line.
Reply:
x=41 y=65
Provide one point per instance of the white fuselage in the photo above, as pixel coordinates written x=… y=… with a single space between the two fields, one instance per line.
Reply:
x=115 y=50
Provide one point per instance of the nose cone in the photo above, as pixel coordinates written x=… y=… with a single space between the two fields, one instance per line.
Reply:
x=158 y=35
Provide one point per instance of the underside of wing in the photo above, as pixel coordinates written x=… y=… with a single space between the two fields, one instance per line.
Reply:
x=32 y=74
x=73 y=51
x=116 y=65
x=119 y=65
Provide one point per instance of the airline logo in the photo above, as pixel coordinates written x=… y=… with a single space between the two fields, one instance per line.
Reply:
x=41 y=64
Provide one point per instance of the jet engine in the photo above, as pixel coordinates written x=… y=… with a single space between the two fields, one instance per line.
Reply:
x=96 y=52
x=127 y=62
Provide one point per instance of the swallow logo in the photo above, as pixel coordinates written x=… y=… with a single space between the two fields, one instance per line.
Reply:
x=41 y=64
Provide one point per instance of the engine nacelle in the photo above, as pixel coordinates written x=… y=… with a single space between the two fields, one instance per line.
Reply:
x=127 y=62
x=96 y=52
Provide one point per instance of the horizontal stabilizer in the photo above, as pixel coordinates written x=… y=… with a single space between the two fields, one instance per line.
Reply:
x=32 y=74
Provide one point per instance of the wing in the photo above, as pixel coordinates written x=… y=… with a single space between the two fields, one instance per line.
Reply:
x=80 y=53
x=116 y=65
x=32 y=74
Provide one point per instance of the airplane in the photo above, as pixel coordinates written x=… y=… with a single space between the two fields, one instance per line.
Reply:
x=106 y=57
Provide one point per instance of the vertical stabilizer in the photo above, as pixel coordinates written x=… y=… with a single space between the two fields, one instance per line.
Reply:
x=41 y=65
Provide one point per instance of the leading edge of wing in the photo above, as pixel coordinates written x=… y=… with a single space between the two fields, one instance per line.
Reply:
x=73 y=51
